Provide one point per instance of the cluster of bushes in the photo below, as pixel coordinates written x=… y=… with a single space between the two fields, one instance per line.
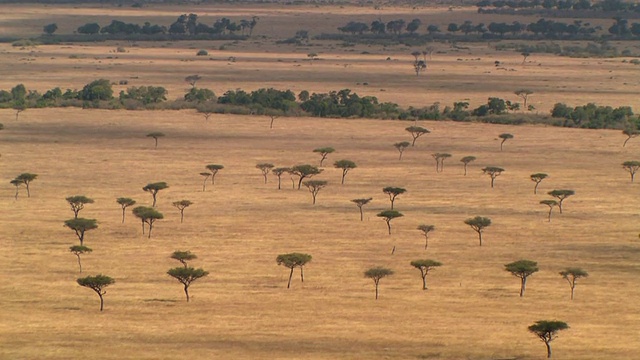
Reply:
x=595 y=117
x=602 y=49
x=605 y=5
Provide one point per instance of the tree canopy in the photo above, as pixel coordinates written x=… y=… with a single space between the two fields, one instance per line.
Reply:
x=80 y=226
x=388 y=215
x=345 y=165
x=154 y=188
x=292 y=261
x=377 y=273
x=572 y=274
x=425 y=266
x=324 y=152
x=547 y=331
x=522 y=269
x=493 y=172
x=187 y=275
x=478 y=224
x=393 y=192
x=537 y=178
x=304 y=171
x=125 y=203
x=77 y=203
x=561 y=195
x=360 y=203
x=97 y=283
x=183 y=256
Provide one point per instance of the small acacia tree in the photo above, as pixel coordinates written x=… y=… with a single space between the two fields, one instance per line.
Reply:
x=98 y=284
x=204 y=182
x=278 y=172
x=419 y=64
x=192 y=80
x=77 y=203
x=183 y=257
x=303 y=172
x=524 y=95
x=425 y=266
x=147 y=215
x=360 y=203
x=632 y=167
x=155 y=135
x=324 y=152
x=345 y=165
x=376 y=274
x=393 y=192
x=547 y=331
x=466 y=160
x=16 y=183
x=78 y=250
x=187 y=275
x=522 y=269
x=26 y=179
x=416 y=132
x=493 y=172
x=125 y=203
x=265 y=168
x=214 y=168
x=572 y=275
x=314 y=187
x=440 y=158
x=551 y=204
x=80 y=226
x=561 y=195
x=181 y=205
x=537 y=178
x=292 y=261
x=504 y=137
x=389 y=215
x=153 y=189
x=401 y=147
x=631 y=133
x=426 y=229
x=478 y=224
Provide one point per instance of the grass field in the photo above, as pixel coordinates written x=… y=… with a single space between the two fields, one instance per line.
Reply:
x=238 y=226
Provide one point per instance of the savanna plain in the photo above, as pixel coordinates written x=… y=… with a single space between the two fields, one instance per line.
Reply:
x=238 y=226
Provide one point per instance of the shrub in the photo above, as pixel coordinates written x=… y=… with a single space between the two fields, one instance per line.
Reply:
x=202 y=52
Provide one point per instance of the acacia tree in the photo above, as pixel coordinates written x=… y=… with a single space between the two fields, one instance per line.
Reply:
x=78 y=250
x=631 y=133
x=324 y=152
x=493 y=172
x=376 y=274
x=214 y=168
x=292 y=261
x=314 y=187
x=303 y=172
x=125 y=203
x=537 y=178
x=16 y=183
x=522 y=269
x=393 y=192
x=504 y=137
x=466 y=160
x=440 y=158
x=426 y=229
x=26 y=179
x=416 y=132
x=80 y=226
x=155 y=135
x=278 y=172
x=98 y=284
x=345 y=165
x=572 y=274
x=401 y=147
x=632 y=167
x=389 y=215
x=187 y=275
x=181 y=205
x=265 y=168
x=425 y=266
x=551 y=204
x=547 y=331
x=524 y=95
x=192 y=80
x=561 y=195
x=478 y=224
x=153 y=189
x=183 y=257
x=360 y=203
x=77 y=203
x=204 y=182
x=147 y=216
x=419 y=64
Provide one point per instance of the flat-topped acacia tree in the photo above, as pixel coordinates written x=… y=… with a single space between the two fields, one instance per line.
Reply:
x=147 y=215
x=547 y=331
x=345 y=165
x=265 y=168
x=478 y=224
x=98 y=284
x=393 y=192
x=537 y=178
x=561 y=195
x=304 y=171
x=181 y=205
x=292 y=261
x=551 y=204
x=77 y=203
x=493 y=172
x=466 y=160
x=426 y=229
x=425 y=266
x=522 y=269
x=632 y=167
x=314 y=187
x=401 y=147
x=26 y=179
x=389 y=215
x=78 y=250
x=192 y=80
x=440 y=158
x=125 y=203
x=183 y=257
x=572 y=274
x=524 y=94
x=278 y=173
x=324 y=152
x=416 y=132
x=214 y=168
x=204 y=182
x=504 y=137
x=187 y=275
x=377 y=273
x=80 y=226
x=154 y=188
x=631 y=133
x=16 y=183
x=155 y=135
x=360 y=203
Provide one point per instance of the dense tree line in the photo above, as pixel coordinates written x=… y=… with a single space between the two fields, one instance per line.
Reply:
x=605 y=5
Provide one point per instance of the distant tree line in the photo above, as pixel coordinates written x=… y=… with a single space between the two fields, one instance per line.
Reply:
x=485 y=6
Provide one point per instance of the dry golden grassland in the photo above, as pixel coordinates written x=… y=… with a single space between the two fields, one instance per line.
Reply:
x=237 y=227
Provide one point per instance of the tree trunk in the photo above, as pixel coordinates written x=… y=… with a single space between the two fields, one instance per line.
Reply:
x=204 y=185
x=314 y=197
x=344 y=173
x=376 y=290
x=625 y=142
x=535 y=188
x=80 y=265
x=186 y=291
x=290 y=275
x=389 y=226
x=361 y=214
x=546 y=343
x=550 y=210
x=81 y=237
x=181 y=216
x=28 y=193
x=123 y=212
x=16 y=197
x=150 y=227
x=265 y=177
x=101 y=301
x=142 y=226
x=154 y=199
x=426 y=241
x=560 y=206
x=465 y=169
x=156 y=139
x=271 y=124
x=424 y=280
x=400 y=158
x=573 y=287
x=492 y=179
x=300 y=181
x=302 y=273
x=392 y=200
x=213 y=181
x=480 y=237
x=278 y=182
x=523 y=285
x=633 y=174
x=413 y=143
x=501 y=144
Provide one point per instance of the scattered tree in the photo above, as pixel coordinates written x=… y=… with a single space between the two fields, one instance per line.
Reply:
x=312 y=56
x=504 y=138
x=292 y=261
x=525 y=55
x=416 y=132
x=632 y=167
x=466 y=160
x=155 y=135
x=561 y=195
x=360 y=203
x=97 y=283
x=153 y=189
x=265 y=168
x=78 y=250
x=401 y=147
x=181 y=205
x=522 y=269
x=183 y=257
x=440 y=158
x=419 y=64
x=77 y=203
x=214 y=168
x=26 y=179
x=478 y=224
x=187 y=275
x=16 y=183
x=524 y=95
x=125 y=203
x=547 y=330
x=389 y=215
x=324 y=151
x=376 y=274
x=80 y=226
x=493 y=172
x=303 y=172
x=425 y=266
x=426 y=229
x=572 y=275
x=278 y=172
x=345 y=165
x=551 y=204
x=393 y=192
x=314 y=187
x=148 y=216
x=49 y=29
x=204 y=182
x=631 y=133
x=537 y=178
x=192 y=80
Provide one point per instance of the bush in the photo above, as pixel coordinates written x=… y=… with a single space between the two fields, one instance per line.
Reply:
x=202 y=52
